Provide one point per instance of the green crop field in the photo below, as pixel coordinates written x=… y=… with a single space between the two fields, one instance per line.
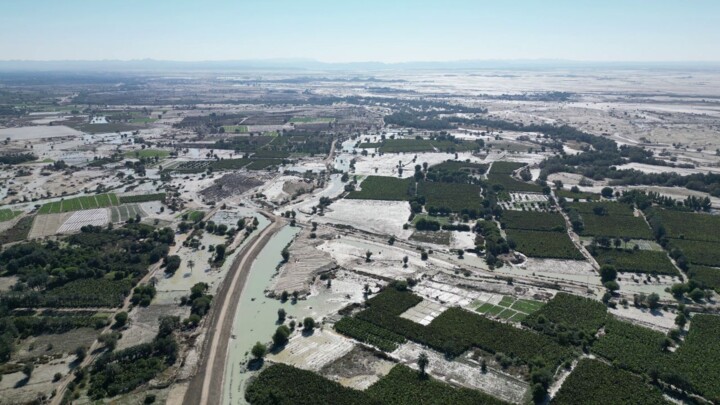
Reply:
x=636 y=261
x=615 y=226
x=593 y=382
x=405 y=145
x=140 y=198
x=311 y=120
x=569 y=195
x=7 y=214
x=450 y=196
x=438 y=219
x=147 y=153
x=699 y=252
x=709 y=277
x=694 y=365
x=235 y=128
x=608 y=208
x=384 y=188
x=688 y=225
x=509 y=184
x=79 y=203
x=456 y=330
x=533 y=221
x=143 y=120
x=510 y=308
x=551 y=245
x=505 y=167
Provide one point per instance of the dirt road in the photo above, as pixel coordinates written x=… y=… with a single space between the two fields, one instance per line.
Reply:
x=206 y=387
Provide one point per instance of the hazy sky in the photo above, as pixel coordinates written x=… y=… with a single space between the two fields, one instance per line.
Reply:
x=367 y=30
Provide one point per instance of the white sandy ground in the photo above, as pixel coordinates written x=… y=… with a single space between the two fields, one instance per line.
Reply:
x=658 y=320
x=382 y=217
x=314 y=351
x=493 y=382
x=96 y=217
x=24 y=133
x=386 y=260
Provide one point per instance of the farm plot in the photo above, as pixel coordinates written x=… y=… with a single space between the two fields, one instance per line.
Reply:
x=510 y=308
x=311 y=120
x=17 y=232
x=695 y=365
x=688 y=225
x=593 y=382
x=96 y=217
x=505 y=167
x=196 y=166
x=123 y=212
x=551 y=245
x=509 y=184
x=699 y=252
x=451 y=197
x=139 y=198
x=579 y=196
x=561 y=314
x=79 y=203
x=635 y=261
x=147 y=153
x=7 y=214
x=615 y=226
x=709 y=277
x=456 y=330
x=533 y=221
x=405 y=145
x=235 y=128
x=384 y=188
x=602 y=207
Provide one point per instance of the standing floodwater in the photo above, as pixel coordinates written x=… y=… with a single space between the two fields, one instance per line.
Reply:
x=256 y=316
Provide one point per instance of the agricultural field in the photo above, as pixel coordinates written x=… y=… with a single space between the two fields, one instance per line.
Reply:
x=551 y=245
x=80 y=203
x=694 y=365
x=402 y=386
x=594 y=382
x=124 y=212
x=607 y=208
x=533 y=221
x=141 y=198
x=311 y=120
x=450 y=197
x=560 y=316
x=7 y=214
x=636 y=261
x=383 y=188
x=688 y=225
x=235 y=129
x=505 y=167
x=706 y=276
x=147 y=153
x=510 y=308
x=405 y=146
x=615 y=226
x=95 y=217
x=509 y=184
x=698 y=252
x=580 y=196
x=17 y=232
x=456 y=330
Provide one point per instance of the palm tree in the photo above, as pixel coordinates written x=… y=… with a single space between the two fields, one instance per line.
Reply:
x=423 y=362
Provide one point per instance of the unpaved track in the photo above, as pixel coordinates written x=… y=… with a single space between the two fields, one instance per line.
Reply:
x=206 y=387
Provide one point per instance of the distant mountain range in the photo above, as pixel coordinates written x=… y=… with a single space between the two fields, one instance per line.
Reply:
x=151 y=65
